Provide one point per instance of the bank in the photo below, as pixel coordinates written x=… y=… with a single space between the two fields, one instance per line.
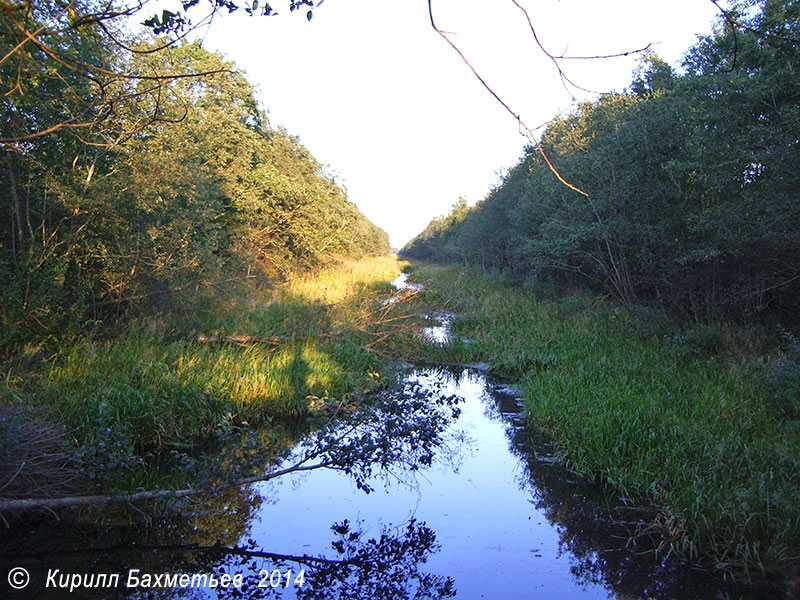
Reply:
x=694 y=418
x=122 y=414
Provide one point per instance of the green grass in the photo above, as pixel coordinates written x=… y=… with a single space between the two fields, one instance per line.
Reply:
x=679 y=415
x=156 y=386
x=174 y=391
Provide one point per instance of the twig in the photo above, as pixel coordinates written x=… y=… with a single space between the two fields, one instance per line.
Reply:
x=13 y=477
x=98 y=500
x=276 y=340
x=241 y=339
x=524 y=129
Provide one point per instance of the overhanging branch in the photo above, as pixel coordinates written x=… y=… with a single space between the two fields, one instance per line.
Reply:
x=524 y=129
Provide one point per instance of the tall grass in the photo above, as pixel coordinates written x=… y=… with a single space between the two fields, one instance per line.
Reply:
x=346 y=280
x=162 y=386
x=652 y=410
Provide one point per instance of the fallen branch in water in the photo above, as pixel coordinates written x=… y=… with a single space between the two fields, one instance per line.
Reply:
x=96 y=500
x=277 y=340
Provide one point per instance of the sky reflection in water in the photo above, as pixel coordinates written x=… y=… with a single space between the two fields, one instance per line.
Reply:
x=494 y=542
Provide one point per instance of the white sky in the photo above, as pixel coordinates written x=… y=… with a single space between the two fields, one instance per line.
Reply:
x=372 y=91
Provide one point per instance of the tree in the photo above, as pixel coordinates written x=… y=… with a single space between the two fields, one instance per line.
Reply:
x=66 y=65
x=692 y=178
x=206 y=192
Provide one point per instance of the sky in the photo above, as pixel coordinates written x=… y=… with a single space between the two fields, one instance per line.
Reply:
x=397 y=117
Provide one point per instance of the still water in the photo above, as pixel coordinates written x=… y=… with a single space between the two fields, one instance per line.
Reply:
x=491 y=521
x=509 y=522
x=491 y=513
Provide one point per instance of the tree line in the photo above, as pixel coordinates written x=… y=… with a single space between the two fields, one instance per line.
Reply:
x=692 y=182
x=137 y=171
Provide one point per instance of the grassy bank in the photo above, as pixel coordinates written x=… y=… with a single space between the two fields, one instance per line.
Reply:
x=690 y=417
x=163 y=384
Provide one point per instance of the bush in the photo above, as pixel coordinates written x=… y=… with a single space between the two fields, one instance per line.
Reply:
x=107 y=455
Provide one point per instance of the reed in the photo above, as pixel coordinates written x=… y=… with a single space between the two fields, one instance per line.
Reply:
x=650 y=408
x=158 y=385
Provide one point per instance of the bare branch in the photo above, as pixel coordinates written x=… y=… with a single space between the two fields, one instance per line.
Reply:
x=27 y=504
x=562 y=75
x=524 y=129
x=48 y=130
x=737 y=24
x=604 y=56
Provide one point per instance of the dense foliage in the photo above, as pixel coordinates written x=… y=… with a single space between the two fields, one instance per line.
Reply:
x=153 y=188
x=693 y=183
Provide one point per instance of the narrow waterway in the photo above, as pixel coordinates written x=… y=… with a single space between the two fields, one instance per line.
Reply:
x=494 y=515
x=510 y=521
x=497 y=529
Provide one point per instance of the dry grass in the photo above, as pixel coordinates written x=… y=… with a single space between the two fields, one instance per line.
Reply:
x=36 y=457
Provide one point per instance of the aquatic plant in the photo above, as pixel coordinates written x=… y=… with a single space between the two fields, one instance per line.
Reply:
x=683 y=416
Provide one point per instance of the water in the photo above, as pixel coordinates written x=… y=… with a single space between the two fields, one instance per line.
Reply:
x=401 y=282
x=495 y=542
x=509 y=522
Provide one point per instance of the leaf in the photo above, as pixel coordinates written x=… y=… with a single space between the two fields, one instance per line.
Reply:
x=309 y=15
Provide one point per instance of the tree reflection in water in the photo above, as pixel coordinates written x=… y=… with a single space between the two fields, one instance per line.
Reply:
x=393 y=435
x=613 y=541
x=386 y=567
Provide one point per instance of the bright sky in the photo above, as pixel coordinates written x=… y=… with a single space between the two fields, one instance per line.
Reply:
x=372 y=91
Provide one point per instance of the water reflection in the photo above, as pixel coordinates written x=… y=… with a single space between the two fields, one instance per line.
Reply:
x=383 y=439
x=463 y=500
x=440 y=332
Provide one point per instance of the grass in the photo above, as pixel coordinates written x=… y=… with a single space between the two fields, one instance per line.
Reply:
x=649 y=408
x=686 y=416
x=156 y=386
